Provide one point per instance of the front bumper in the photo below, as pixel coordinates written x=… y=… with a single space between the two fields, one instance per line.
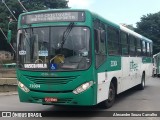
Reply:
x=85 y=98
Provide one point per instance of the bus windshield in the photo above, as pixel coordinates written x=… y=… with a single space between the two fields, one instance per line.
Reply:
x=41 y=48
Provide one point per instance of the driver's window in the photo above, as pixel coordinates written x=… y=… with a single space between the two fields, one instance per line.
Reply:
x=41 y=45
x=100 y=42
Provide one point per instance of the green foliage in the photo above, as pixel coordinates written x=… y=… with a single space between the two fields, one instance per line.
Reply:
x=45 y=4
x=16 y=8
x=149 y=26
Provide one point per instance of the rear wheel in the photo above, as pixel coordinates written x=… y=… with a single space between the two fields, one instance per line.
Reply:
x=142 y=85
x=111 y=97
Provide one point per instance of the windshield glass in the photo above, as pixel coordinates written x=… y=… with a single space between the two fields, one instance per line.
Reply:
x=51 y=49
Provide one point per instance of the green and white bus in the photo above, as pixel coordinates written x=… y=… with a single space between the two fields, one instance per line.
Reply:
x=76 y=57
x=156 y=64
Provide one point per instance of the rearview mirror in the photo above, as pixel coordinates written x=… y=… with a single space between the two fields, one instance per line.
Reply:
x=103 y=36
x=97 y=39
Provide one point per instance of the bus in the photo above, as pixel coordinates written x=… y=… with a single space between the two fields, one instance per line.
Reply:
x=76 y=57
x=156 y=64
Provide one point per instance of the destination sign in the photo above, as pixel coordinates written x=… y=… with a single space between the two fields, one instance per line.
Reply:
x=53 y=17
x=35 y=65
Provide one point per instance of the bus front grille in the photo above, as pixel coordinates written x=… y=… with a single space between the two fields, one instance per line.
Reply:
x=51 y=80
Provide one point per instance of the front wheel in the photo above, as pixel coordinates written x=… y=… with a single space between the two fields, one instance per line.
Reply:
x=111 y=97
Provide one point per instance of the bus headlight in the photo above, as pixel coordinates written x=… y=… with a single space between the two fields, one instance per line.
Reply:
x=23 y=87
x=83 y=87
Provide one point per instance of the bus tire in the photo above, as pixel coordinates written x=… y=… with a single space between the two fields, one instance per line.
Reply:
x=111 y=97
x=142 y=85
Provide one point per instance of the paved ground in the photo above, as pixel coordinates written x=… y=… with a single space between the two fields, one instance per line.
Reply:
x=132 y=100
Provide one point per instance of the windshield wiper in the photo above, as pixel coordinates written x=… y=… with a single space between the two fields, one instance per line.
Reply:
x=66 y=34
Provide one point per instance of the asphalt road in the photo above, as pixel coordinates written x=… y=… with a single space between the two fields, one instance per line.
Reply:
x=131 y=100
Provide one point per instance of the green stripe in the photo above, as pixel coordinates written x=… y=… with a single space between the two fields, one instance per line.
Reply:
x=113 y=63
x=146 y=60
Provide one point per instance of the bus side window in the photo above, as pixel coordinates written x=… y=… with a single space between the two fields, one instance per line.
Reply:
x=132 y=44
x=139 y=47
x=100 y=43
x=124 y=43
x=148 y=49
x=113 y=41
x=100 y=49
x=143 y=48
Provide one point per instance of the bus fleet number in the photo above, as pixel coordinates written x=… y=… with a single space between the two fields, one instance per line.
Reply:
x=34 y=86
x=113 y=63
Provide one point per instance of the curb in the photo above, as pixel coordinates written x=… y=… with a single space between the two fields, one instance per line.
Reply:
x=8 y=81
x=8 y=93
x=8 y=88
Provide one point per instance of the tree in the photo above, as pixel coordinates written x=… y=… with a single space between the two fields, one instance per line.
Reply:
x=149 y=26
x=45 y=4
x=17 y=9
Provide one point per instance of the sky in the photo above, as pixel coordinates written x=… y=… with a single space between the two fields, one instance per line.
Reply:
x=119 y=11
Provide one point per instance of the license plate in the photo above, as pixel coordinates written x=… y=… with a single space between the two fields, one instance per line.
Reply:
x=48 y=99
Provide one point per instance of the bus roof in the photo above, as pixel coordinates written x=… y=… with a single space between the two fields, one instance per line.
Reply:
x=134 y=33
x=50 y=10
x=98 y=16
x=121 y=27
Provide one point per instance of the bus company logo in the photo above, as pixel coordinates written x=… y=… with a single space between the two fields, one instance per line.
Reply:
x=45 y=74
x=133 y=66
